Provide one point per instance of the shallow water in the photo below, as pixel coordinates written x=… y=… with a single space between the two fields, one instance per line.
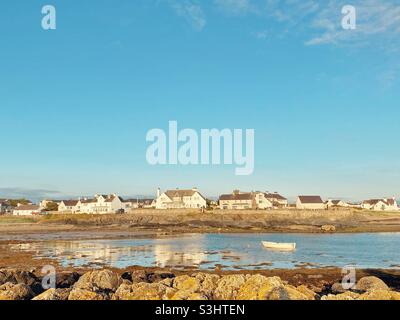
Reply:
x=231 y=251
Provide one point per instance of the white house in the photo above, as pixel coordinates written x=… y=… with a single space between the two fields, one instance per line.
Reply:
x=101 y=204
x=337 y=203
x=251 y=200
x=276 y=199
x=27 y=210
x=380 y=204
x=68 y=206
x=240 y=201
x=262 y=201
x=310 y=203
x=180 y=199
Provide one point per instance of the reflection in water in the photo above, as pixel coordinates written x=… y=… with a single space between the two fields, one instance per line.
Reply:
x=79 y=253
x=231 y=251
x=166 y=256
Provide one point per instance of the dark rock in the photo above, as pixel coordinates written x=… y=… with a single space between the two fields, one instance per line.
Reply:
x=159 y=276
x=66 y=280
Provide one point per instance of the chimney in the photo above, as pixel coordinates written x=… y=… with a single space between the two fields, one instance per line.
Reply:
x=158 y=192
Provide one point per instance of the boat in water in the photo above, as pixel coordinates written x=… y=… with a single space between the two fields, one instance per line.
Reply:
x=279 y=246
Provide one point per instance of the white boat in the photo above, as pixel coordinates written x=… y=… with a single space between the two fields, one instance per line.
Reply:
x=279 y=246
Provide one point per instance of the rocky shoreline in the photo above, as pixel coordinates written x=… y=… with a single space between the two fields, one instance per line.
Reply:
x=147 y=285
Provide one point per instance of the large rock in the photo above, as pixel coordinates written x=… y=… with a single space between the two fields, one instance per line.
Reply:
x=144 y=291
x=21 y=277
x=187 y=283
x=11 y=291
x=66 y=279
x=258 y=287
x=395 y=295
x=54 y=294
x=337 y=288
x=104 y=280
x=227 y=287
x=294 y=294
x=311 y=295
x=277 y=293
x=371 y=283
x=83 y=294
x=380 y=295
x=159 y=276
x=15 y=276
x=208 y=284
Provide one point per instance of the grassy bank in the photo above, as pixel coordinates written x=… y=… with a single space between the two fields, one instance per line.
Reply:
x=6 y=219
x=284 y=220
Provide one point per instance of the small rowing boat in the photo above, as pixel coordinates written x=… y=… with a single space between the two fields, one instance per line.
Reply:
x=279 y=246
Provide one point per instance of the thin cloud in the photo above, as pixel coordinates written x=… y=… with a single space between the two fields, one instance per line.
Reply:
x=191 y=12
x=235 y=7
x=378 y=22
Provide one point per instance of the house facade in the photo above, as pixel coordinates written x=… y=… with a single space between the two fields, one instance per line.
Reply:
x=68 y=206
x=337 y=203
x=310 y=203
x=276 y=199
x=386 y=204
x=180 y=199
x=100 y=204
x=240 y=201
x=251 y=200
x=27 y=210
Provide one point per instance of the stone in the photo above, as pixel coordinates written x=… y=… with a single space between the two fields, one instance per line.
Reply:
x=159 y=276
x=188 y=295
x=11 y=291
x=310 y=294
x=337 y=288
x=395 y=295
x=277 y=293
x=294 y=294
x=15 y=276
x=208 y=284
x=371 y=283
x=104 y=280
x=258 y=287
x=144 y=291
x=228 y=287
x=66 y=279
x=328 y=228
x=54 y=295
x=348 y=295
x=186 y=283
x=376 y=295
x=83 y=294
x=135 y=276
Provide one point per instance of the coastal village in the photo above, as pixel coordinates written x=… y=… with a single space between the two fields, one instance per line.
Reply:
x=187 y=199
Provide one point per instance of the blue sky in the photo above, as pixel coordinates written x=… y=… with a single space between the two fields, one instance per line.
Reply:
x=76 y=102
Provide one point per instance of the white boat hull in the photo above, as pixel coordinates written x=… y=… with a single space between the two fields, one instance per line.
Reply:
x=279 y=246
